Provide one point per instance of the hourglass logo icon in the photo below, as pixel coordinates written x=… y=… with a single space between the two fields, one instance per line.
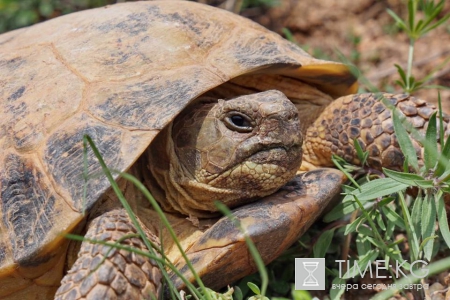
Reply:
x=310 y=280
x=310 y=274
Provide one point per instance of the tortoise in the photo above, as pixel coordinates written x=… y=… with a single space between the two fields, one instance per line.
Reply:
x=198 y=103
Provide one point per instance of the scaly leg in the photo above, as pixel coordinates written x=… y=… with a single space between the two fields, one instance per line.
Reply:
x=366 y=119
x=121 y=275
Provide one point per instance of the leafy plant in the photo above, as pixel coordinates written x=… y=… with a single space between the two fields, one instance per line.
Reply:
x=379 y=208
x=416 y=28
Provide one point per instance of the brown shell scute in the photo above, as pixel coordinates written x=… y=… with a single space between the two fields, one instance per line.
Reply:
x=149 y=103
x=2 y=252
x=64 y=157
x=260 y=51
x=33 y=95
x=28 y=206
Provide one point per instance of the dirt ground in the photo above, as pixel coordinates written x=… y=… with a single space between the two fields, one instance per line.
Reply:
x=364 y=32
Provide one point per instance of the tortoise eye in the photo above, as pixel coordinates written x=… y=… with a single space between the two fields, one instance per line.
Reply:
x=239 y=122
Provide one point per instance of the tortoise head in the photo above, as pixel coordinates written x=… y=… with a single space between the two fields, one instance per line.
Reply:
x=232 y=151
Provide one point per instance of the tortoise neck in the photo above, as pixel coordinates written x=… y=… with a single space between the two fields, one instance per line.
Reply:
x=170 y=182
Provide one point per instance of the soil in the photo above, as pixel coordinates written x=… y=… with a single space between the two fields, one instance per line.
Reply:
x=367 y=36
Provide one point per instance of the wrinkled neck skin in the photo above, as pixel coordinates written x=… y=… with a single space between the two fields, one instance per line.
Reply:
x=188 y=174
x=172 y=181
x=182 y=192
x=177 y=189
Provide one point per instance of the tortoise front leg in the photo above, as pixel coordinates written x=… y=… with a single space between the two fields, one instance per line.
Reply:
x=221 y=255
x=102 y=272
x=366 y=119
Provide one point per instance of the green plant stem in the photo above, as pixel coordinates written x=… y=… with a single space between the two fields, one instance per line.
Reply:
x=166 y=223
x=372 y=225
x=132 y=216
x=251 y=247
x=410 y=230
x=412 y=41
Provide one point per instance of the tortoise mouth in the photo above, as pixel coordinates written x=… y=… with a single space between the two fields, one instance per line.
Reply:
x=265 y=170
x=288 y=157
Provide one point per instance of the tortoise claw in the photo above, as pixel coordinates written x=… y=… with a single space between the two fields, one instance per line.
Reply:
x=221 y=255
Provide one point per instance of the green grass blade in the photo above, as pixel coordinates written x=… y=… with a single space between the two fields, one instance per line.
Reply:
x=430 y=152
x=380 y=222
x=169 y=228
x=410 y=230
x=393 y=217
x=352 y=227
x=336 y=294
x=402 y=73
x=444 y=158
x=416 y=214
x=441 y=120
x=437 y=24
x=85 y=175
x=427 y=243
x=127 y=206
x=378 y=188
x=411 y=14
x=369 y=191
x=366 y=232
x=431 y=14
x=404 y=141
x=428 y=225
x=361 y=264
x=398 y=20
x=323 y=243
x=251 y=247
x=340 y=210
x=419 y=26
x=442 y=217
x=363 y=246
x=362 y=155
x=288 y=34
x=406 y=178
x=336 y=162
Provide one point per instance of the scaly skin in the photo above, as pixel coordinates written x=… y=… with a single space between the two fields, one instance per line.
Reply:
x=101 y=272
x=365 y=118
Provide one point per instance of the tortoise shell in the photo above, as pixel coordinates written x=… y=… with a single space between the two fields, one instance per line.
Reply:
x=118 y=74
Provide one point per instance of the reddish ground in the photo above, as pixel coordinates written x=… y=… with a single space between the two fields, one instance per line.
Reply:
x=364 y=32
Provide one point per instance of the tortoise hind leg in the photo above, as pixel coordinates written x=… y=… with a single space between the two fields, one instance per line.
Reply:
x=104 y=273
